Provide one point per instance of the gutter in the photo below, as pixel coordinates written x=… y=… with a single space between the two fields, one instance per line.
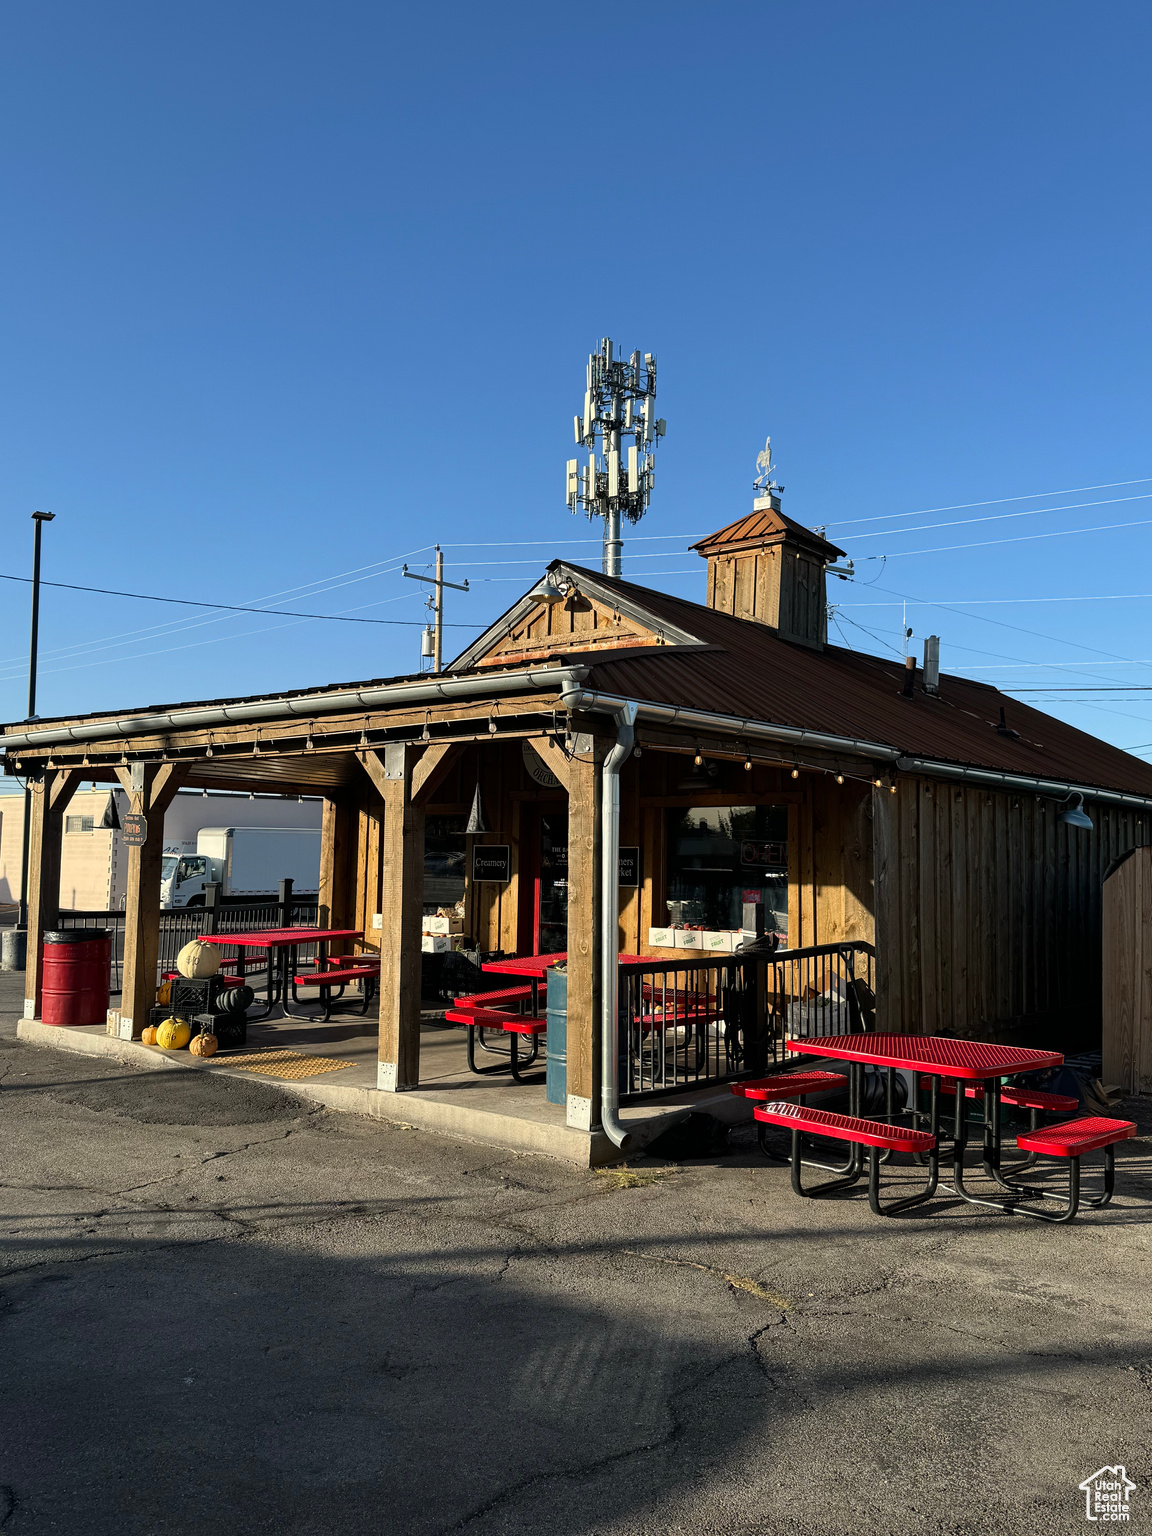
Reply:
x=310 y=704
x=758 y=730
x=1053 y=787
x=751 y=730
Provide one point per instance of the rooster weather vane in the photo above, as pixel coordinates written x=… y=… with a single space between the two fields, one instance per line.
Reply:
x=763 y=483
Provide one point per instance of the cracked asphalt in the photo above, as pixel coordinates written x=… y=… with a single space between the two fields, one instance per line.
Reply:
x=223 y=1311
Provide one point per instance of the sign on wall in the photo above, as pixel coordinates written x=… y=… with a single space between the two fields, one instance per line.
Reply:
x=134 y=832
x=491 y=863
x=630 y=867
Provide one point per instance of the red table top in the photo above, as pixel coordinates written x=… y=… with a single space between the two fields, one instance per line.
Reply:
x=929 y=1053
x=536 y=965
x=272 y=938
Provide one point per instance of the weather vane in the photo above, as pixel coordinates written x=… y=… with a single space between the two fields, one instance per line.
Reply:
x=763 y=483
x=620 y=400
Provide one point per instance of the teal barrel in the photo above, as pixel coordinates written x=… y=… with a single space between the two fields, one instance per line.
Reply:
x=556 y=1079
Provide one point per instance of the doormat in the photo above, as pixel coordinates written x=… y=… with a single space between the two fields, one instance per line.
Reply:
x=284 y=1064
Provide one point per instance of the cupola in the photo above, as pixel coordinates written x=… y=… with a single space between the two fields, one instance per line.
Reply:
x=768 y=568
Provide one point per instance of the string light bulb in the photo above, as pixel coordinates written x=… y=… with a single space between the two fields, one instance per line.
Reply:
x=839 y=778
x=795 y=773
x=698 y=760
x=747 y=765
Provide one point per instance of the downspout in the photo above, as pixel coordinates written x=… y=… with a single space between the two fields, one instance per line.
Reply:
x=625 y=715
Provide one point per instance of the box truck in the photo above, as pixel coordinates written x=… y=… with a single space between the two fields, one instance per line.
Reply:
x=243 y=861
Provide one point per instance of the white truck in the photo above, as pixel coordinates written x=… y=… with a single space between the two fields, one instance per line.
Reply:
x=244 y=861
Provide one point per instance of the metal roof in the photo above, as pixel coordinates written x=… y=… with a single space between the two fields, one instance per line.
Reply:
x=749 y=672
x=764 y=526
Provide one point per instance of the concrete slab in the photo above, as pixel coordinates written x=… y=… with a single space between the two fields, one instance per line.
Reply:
x=450 y=1100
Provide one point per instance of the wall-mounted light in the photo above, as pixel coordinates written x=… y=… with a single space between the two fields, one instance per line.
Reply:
x=1074 y=815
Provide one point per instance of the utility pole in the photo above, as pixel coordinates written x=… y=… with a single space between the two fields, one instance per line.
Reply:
x=439 y=583
x=39 y=518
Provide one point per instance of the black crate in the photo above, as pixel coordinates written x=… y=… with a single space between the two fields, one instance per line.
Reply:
x=196 y=994
x=230 y=1029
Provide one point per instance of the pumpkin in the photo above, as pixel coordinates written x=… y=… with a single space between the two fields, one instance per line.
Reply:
x=164 y=994
x=204 y=1044
x=198 y=960
x=174 y=1034
x=149 y=1035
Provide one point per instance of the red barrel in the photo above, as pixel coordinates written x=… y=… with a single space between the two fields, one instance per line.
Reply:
x=77 y=965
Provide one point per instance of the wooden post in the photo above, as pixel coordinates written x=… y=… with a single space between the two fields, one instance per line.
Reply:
x=151 y=788
x=49 y=800
x=338 y=861
x=401 y=903
x=405 y=778
x=583 y=784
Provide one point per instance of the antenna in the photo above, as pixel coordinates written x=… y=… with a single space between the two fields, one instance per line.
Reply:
x=619 y=401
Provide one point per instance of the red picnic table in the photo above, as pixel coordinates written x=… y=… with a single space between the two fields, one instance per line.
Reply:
x=939 y=1059
x=283 y=942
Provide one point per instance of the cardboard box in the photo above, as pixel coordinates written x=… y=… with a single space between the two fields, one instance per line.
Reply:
x=722 y=940
x=435 y=943
x=688 y=938
x=443 y=925
x=662 y=938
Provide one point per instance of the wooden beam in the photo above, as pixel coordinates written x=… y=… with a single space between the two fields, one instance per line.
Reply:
x=401 y=903
x=583 y=940
x=151 y=788
x=49 y=800
x=555 y=759
x=64 y=786
x=432 y=769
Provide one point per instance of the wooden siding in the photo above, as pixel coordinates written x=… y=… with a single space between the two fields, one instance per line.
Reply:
x=988 y=912
x=550 y=629
x=1127 y=978
x=779 y=586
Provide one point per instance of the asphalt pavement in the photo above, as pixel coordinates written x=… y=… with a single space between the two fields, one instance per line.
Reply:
x=223 y=1310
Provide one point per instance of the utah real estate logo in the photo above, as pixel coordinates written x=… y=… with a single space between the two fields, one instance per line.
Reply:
x=1106 y=1494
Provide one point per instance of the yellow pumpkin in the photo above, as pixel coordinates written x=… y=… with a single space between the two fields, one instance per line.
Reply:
x=204 y=1044
x=164 y=993
x=198 y=960
x=149 y=1035
x=174 y=1034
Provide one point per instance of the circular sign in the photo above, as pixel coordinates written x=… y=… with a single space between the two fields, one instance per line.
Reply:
x=537 y=768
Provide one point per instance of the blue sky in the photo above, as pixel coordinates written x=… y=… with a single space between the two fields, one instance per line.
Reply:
x=291 y=292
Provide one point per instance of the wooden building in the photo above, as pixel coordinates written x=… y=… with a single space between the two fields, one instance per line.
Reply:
x=858 y=799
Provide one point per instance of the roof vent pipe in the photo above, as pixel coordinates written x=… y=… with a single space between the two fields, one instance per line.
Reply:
x=932 y=665
x=909 y=676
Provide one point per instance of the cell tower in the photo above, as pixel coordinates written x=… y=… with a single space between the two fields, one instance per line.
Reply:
x=620 y=401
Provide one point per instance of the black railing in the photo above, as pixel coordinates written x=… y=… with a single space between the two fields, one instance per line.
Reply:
x=687 y=1023
x=181 y=926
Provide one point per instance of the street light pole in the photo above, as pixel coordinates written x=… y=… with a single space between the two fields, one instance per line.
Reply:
x=39 y=518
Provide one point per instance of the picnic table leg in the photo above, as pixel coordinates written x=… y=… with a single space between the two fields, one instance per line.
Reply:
x=849 y=1177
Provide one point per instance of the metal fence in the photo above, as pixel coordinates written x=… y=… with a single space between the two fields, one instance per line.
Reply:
x=686 y=1023
x=182 y=926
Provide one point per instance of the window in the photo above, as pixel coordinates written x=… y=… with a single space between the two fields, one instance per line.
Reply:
x=722 y=856
x=78 y=824
x=191 y=869
x=445 y=859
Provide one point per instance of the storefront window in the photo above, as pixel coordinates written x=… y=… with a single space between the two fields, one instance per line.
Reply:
x=722 y=856
x=445 y=859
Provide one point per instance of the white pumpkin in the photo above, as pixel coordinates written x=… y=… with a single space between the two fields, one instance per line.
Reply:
x=198 y=960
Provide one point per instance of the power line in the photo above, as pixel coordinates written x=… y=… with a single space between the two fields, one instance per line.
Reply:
x=997 y=501
x=995 y=517
x=941 y=549
x=192 y=602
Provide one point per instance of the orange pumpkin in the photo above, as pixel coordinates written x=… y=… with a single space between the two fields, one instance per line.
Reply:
x=149 y=1035
x=204 y=1044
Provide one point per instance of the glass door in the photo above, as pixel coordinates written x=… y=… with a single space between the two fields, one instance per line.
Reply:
x=550 y=916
